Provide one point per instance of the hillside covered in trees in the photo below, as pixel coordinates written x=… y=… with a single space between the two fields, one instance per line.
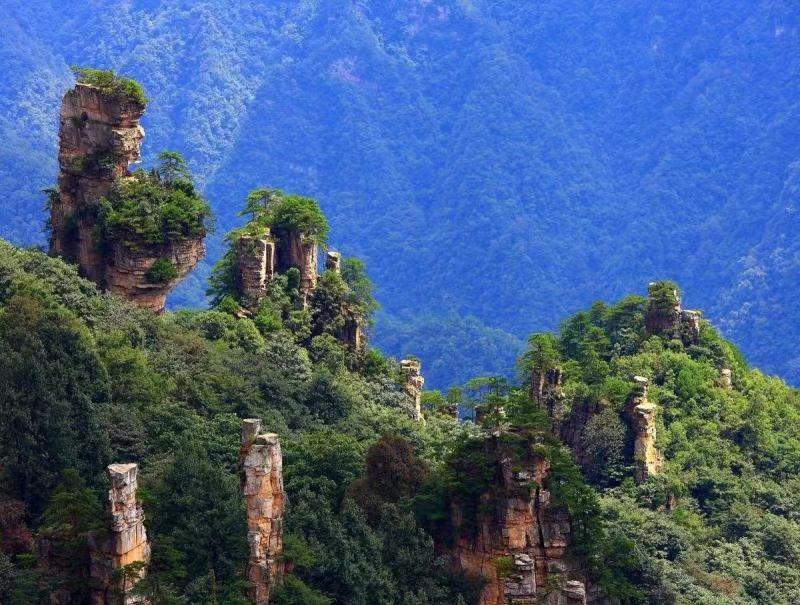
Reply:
x=86 y=379
x=488 y=160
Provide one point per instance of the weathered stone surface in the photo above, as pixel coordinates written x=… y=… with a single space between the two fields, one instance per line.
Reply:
x=126 y=273
x=726 y=378
x=643 y=413
x=414 y=381
x=333 y=261
x=125 y=544
x=255 y=267
x=546 y=390
x=297 y=249
x=522 y=525
x=99 y=138
x=261 y=474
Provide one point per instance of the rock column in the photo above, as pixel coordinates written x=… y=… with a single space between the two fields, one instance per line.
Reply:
x=261 y=474
x=99 y=138
x=414 y=381
x=643 y=418
x=125 y=545
x=255 y=267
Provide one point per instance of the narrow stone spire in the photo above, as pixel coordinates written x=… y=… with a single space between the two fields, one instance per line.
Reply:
x=261 y=475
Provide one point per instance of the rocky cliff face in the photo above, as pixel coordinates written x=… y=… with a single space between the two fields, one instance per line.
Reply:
x=126 y=543
x=99 y=138
x=520 y=545
x=261 y=474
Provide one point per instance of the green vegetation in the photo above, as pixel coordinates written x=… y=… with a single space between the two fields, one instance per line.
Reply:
x=153 y=208
x=162 y=271
x=88 y=380
x=111 y=84
x=703 y=529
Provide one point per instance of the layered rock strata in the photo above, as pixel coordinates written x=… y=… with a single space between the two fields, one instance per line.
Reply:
x=126 y=543
x=261 y=475
x=411 y=370
x=255 y=263
x=99 y=138
x=520 y=545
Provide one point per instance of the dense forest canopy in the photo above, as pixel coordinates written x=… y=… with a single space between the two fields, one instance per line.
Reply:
x=489 y=160
x=87 y=379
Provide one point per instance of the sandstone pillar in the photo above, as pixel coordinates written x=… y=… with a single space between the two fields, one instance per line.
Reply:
x=643 y=418
x=414 y=381
x=255 y=267
x=125 y=545
x=261 y=474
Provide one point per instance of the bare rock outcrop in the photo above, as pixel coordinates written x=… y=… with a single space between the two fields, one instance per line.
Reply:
x=261 y=474
x=99 y=138
x=665 y=317
x=726 y=378
x=126 y=543
x=546 y=390
x=411 y=370
x=519 y=544
x=643 y=413
x=299 y=250
x=333 y=261
x=255 y=264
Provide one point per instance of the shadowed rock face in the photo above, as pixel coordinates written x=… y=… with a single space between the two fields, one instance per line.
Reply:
x=126 y=543
x=297 y=249
x=520 y=545
x=255 y=267
x=261 y=474
x=99 y=138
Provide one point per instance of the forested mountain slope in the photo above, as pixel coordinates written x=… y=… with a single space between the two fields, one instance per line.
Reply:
x=510 y=161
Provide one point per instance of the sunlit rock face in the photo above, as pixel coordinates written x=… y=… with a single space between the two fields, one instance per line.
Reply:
x=261 y=475
x=125 y=545
x=99 y=139
x=519 y=546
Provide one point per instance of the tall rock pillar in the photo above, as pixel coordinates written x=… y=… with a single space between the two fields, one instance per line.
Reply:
x=126 y=544
x=99 y=138
x=255 y=267
x=414 y=381
x=643 y=418
x=261 y=474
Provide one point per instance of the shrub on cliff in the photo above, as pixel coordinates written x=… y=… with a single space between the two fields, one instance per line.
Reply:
x=111 y=84
x=153 y=208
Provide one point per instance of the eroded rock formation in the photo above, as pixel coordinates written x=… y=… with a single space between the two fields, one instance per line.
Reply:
x=255 y=263
x=261 y=474
x=726 y=378
x=333 y=261
x=665 y=317
x=643 y=420
x=299 y=250
x=99 y=138
x=412 y=385
x=519 y=546
x=126 y=543
x=546 y=390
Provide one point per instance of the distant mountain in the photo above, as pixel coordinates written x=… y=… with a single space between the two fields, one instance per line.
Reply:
x=501 y=160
